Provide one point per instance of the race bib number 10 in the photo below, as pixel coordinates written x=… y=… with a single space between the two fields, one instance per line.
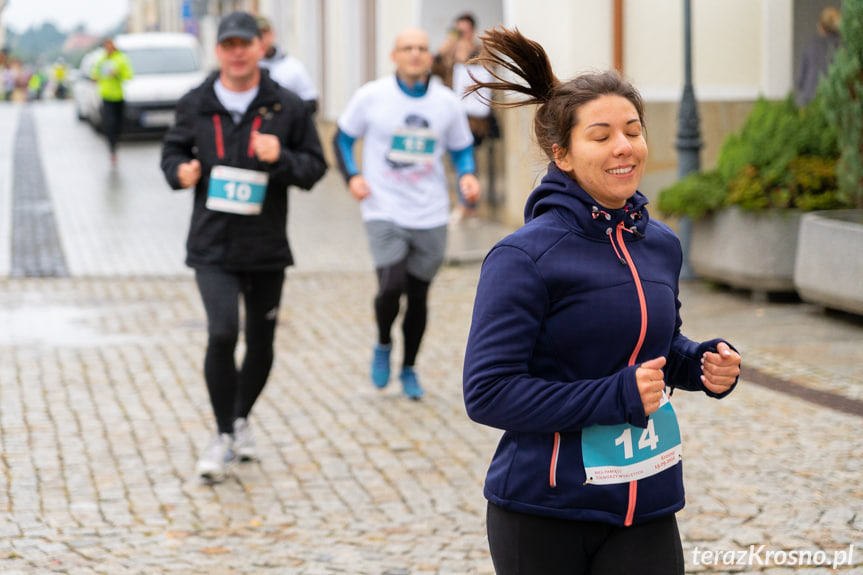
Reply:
x=237 y=191
x=623 y=453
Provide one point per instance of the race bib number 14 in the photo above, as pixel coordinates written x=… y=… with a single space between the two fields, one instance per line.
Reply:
x=623 y=453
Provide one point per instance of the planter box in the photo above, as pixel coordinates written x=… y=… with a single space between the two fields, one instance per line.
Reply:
x=747 y=250
x=829 y=268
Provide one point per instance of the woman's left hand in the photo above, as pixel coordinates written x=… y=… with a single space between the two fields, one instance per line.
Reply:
x=720 y=369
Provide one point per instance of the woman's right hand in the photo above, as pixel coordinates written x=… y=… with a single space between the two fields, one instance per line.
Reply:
x=651 y=383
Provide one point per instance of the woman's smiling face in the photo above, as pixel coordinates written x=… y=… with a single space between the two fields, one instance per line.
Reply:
x=607 y=150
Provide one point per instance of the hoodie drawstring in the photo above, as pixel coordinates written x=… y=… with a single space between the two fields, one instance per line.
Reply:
x=634 y=231
x=256 y=124
x=220 y=140
x=620 y=258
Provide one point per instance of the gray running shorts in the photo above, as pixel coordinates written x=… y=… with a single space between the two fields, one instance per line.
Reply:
x=424 y=249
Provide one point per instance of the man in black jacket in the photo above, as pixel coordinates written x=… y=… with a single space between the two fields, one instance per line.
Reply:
x=240 y=140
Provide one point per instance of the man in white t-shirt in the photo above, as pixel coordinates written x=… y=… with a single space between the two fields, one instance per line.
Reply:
x=288 y=71
x=407 y=123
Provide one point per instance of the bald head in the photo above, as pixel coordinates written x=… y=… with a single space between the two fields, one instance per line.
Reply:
x=412 y=36
x=411 y=55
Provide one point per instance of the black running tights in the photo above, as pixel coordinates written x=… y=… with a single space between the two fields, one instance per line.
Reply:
x=393 y=281
x=233 y=392
x=112 y=122
x=527 y=544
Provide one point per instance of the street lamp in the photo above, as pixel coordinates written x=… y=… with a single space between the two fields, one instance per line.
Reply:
x=688 y=142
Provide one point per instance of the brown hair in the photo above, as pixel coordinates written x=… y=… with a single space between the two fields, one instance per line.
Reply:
x=558 y=101
x=467 y=17
x=828 y=22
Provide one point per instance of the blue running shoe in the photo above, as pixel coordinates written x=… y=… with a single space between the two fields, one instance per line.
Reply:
x=410 y=385
x=381 y=366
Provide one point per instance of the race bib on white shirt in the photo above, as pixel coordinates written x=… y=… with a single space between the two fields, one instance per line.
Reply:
x=413 y=145
x=623 y=453
x=236 y=190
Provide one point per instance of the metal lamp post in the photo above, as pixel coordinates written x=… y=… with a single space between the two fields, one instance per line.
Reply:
x=688 y=142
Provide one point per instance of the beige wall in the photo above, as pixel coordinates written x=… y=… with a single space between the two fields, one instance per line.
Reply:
x=578 y=37
x=724 y=50
x=342 y=63
x=393 y=16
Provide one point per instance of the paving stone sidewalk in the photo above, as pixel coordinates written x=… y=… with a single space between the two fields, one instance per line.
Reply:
x=103 y=411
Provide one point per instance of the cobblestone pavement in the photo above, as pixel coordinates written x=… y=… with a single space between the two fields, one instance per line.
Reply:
x=103 y=412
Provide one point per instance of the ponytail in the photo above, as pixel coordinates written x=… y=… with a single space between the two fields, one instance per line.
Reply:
x=558 y=101
x=510 y=50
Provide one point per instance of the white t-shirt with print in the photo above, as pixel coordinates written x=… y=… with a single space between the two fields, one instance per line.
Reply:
x=291 y=74
x=404 y=140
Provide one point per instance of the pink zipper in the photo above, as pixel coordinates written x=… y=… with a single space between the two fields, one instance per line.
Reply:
x=642 y=302
x=555 y=453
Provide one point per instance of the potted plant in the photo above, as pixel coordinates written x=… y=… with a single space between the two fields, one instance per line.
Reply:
x=829 y=264
x=746 y=211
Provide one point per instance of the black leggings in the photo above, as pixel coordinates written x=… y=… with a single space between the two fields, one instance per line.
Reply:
x=527 y=544
x=393 y=281
x=233 y=392
x=112 y=122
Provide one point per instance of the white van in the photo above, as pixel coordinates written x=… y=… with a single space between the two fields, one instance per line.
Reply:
x=165 y=67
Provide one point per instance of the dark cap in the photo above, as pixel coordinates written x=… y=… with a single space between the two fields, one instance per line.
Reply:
x=238 y=25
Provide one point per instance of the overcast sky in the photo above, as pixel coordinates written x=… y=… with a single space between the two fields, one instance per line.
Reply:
x=97 y=15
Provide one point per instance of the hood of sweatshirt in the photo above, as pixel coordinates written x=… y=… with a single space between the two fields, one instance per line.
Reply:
x=558 y=191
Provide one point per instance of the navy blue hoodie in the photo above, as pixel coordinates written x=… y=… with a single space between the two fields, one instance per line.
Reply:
x=567 y=308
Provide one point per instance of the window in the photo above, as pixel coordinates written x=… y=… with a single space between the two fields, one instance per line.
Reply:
x=163 y=60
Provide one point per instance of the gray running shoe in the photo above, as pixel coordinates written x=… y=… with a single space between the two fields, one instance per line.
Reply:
x=244 y=441
x=214 y=462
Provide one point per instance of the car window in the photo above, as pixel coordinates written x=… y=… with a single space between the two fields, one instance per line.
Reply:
x=162 y=60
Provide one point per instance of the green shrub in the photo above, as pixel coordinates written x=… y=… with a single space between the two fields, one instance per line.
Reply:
x=842 y=95
x=763 y=141
x=695 y=195
x=812 y=183
x=783 y=157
